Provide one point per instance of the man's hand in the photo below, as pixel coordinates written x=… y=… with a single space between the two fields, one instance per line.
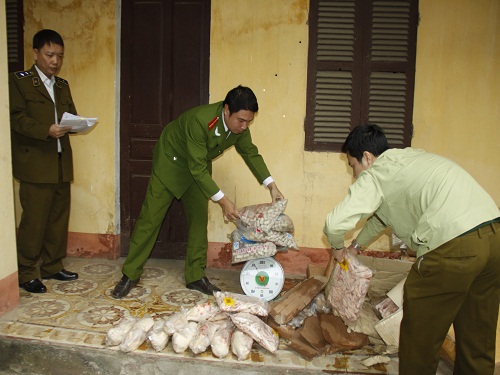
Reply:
x=56 y=131
x=339 y=255
x=275 y=193
x=228 y=209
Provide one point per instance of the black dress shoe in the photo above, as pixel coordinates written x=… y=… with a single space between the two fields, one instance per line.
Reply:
x=62 y=275
x=33 y=286
x=203 y=285
x=123 y=287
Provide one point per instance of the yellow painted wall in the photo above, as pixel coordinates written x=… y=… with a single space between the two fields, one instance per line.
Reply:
x=457 y=95
x=8 y=265
x=263 y=44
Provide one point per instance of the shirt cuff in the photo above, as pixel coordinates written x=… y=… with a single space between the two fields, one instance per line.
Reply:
x=217 y=196
x=267 y=181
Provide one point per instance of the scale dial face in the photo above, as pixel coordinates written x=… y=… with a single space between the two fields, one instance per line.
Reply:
x=262 y=278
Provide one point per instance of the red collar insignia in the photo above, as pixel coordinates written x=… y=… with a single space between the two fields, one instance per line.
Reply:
x=212 y=123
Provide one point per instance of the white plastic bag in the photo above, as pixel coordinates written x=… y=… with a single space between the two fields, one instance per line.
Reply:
x=157 y=336
x=182 y=338
x=204 y=333
x=234 y=302
x=241 y=344
x=116 y=334
x=137 y=334
x=175 y=322
x=221 y=341
x=257 y=330
x=202 y=311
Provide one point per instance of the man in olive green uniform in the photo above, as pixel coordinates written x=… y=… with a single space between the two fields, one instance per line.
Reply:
x=182 y=165
x=42 y=162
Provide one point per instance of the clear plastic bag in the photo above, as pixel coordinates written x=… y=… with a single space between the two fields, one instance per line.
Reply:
x=137 y=334
x=241 y=344
x=257 y=330
x=202 y=311
x=283 y=224
x=157 y=336
x=116 y=334
x=347 y=287
x=204 y=333
x=182 y=338
x=262 y=216
x=283 y=239
x=234 y=302
x=247 y=251
x=221 y=341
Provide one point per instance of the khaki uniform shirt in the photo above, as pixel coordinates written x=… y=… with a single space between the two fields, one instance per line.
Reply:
x=34 y=153
x=426 y=199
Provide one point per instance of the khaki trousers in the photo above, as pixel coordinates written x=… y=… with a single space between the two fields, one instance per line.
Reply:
x=457 y=283
x=43 y=230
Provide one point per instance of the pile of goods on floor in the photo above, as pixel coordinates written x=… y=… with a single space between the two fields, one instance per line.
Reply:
x=320 y=315
x=233 y=322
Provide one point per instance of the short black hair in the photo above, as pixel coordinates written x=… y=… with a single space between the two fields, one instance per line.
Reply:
x=241 y=98
x=368 y=137
x=47 y=36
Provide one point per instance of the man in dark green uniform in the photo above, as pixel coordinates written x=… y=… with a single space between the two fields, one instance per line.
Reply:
x=182 y=165
x=42 y=161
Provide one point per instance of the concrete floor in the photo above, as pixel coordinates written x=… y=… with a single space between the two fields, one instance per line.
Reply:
x=63 y=331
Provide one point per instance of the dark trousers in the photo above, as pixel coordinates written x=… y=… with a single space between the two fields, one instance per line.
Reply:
x=458 y=283
x=43 y=230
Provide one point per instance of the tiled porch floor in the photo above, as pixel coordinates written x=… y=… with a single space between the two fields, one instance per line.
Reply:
x=79 y=313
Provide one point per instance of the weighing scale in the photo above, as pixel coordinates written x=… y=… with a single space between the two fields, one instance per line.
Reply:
x=263 y=278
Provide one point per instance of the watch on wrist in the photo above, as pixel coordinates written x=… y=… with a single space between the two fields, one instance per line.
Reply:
x=356 y=245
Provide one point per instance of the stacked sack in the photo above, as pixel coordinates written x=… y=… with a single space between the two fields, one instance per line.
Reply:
x=261 y=230
x=233 y=322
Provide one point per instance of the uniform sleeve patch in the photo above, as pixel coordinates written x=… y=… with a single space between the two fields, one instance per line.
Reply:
x=23 y=74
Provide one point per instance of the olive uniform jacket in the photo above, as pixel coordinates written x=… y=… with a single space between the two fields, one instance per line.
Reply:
x=188 y=145
x=34 y=152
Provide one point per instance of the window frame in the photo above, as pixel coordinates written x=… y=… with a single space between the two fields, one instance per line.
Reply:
x=15 y=34
x=363 y=70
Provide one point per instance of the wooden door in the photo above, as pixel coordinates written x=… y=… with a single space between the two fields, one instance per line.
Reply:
x=164 y=71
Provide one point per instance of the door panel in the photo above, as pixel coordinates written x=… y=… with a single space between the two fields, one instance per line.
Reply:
x=164 y=71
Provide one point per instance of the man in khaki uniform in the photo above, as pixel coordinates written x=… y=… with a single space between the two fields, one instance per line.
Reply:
x=42 y=162
x=182 y=165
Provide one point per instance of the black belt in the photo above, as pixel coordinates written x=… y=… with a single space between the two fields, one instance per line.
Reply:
x=481 y=225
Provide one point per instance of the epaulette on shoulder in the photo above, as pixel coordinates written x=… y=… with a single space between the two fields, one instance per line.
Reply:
x=23 y=74
x=61 y=80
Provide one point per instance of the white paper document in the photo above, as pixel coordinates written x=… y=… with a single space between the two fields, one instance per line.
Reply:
x=78 y=123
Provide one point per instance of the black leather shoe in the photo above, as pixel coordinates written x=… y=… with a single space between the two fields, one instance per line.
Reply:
x=123 y=287
x=62 y=275
x=33 y=286
x=203 y=285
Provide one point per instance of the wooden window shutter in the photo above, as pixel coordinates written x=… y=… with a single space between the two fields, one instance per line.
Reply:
x=361 y=69
x=15 y=34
